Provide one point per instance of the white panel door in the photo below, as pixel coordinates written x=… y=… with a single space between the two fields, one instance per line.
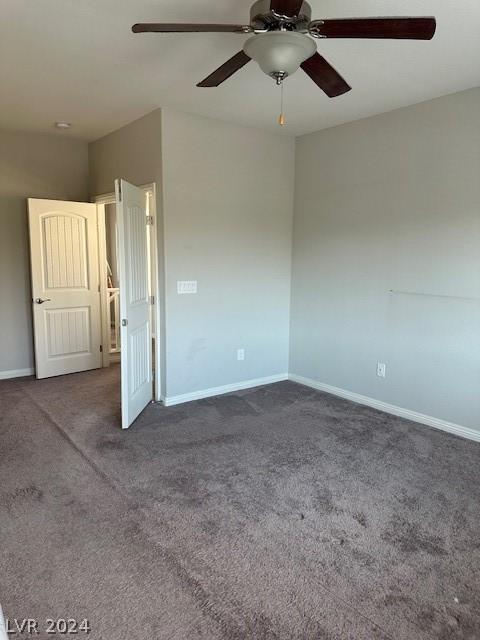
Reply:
x=136 y=358
x=65 y=286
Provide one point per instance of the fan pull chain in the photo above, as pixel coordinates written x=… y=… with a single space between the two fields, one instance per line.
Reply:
x=281 y=118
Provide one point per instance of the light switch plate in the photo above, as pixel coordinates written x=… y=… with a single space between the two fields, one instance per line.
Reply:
x=186 y=286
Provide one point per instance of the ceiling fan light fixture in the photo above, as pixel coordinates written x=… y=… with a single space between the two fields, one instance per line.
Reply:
x=282 y=43
x=280 y=53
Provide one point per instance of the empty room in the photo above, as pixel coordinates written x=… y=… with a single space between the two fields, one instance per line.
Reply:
x=240 y=320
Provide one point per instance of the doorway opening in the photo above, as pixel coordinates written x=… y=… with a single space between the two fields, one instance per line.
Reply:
x=95 y=290
x=112 y=320
x=110 y=281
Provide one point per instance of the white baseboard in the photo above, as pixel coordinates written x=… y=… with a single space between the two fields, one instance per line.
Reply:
x=228 y=388
x=437 y=423
x=16 y=373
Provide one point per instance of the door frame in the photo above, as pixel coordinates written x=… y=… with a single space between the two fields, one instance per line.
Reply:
x=109 y=198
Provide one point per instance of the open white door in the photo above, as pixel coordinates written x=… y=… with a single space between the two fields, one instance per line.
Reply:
x=65 y=286
x=136 y=358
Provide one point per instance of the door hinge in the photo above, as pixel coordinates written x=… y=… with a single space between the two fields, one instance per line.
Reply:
x=152 y=300
x=101 y=348
x=119 y=191
x=124 y=323
x=150 y=221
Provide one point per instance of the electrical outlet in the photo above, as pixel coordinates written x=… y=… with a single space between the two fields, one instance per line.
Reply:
x=381 y=370
x=240 y=354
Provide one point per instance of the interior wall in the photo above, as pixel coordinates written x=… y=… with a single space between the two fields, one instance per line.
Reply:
x=225 y=206
x=392 y=202
x=132 y=153
x=228 y=205
x=31 y=166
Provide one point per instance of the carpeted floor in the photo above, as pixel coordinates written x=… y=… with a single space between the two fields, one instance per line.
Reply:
x=273 y=513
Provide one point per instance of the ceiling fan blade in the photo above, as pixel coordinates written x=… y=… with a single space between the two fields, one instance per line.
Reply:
x=289 y=8
x=190 y=28
x=224 y=72
x=385 y=28
x=325 y=76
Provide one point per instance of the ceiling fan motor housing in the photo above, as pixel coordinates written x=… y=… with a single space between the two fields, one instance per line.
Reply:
x=264 y=18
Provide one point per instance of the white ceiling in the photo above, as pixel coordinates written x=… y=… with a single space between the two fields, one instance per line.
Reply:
x=77 y=60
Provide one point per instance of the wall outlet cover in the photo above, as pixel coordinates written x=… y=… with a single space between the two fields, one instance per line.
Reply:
x=381 y=370
x=240 y=354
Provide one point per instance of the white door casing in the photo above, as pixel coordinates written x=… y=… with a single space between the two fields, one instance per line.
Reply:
x=65 y=286
x=136 y=358
x=3 y=630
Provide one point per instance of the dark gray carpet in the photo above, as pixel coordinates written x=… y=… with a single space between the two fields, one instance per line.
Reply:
x=274 y=513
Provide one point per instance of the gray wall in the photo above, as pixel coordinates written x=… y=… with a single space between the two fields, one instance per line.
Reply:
x=228 y=204
x=225 y=204
x=132 y=153
x=37 y=166
x=392 y=202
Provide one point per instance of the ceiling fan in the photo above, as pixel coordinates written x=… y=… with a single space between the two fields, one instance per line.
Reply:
x=281 y=44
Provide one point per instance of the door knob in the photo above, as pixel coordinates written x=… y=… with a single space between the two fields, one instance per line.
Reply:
x=40 y=301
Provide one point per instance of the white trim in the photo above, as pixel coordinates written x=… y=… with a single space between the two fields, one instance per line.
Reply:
x=155 y=276
x=429 y=421
x=102 y=265
x=16 y=373
x=228 y=388
x=3 y=630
